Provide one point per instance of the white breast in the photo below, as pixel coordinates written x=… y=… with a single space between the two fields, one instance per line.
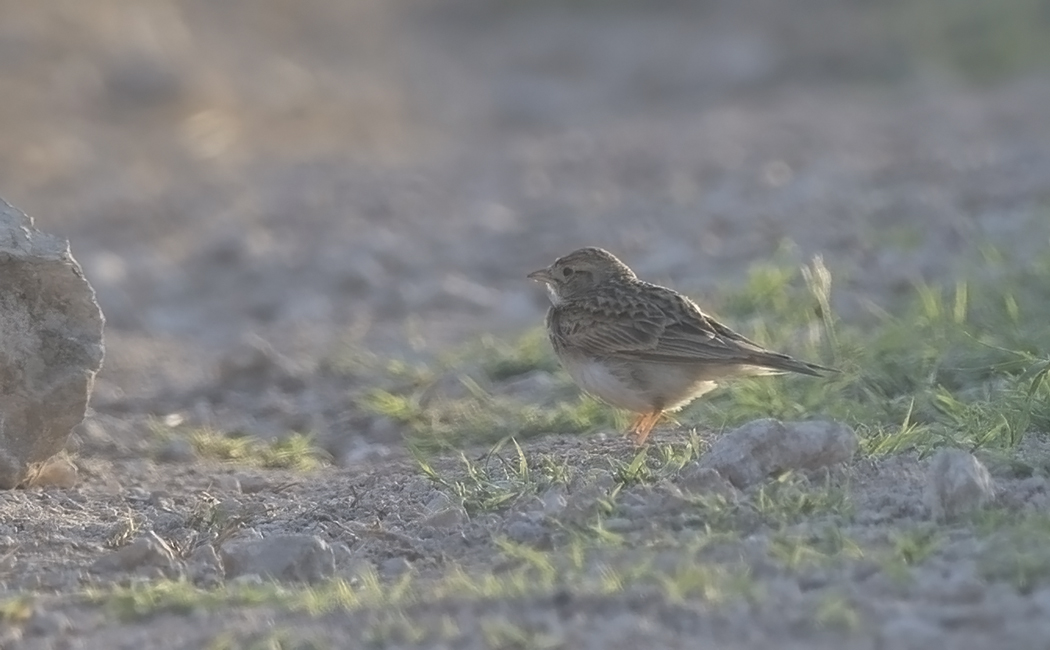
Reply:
x=595 y=378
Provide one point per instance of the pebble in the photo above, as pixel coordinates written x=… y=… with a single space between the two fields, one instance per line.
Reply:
x=956 y=483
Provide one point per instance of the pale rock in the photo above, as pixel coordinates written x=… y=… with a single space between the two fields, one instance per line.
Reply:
x=292 y=557
x=751 y=453
x=253 y=483
x=956 y=483
x=177 y=450
x=146 y=552
x=584 y=499
x=525 y=530
x=620 y=525
x=227 y=483
x=702 y=481
x=394 y=567
x=442 y=511
x=448 y=518
x=350 y=565
x=438 y=502
x=554 y=502
x=50 y=345
x=205 y=566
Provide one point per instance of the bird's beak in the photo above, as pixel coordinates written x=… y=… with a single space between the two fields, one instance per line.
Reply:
x=543 y=275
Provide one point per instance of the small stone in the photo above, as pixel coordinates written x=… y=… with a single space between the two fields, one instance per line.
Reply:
x=160 y=499
x=643 y=502
x=394 y=566
x=956 y=483
x=753 y=452
x=554 y=502
x=250 y=484
x=448 y=518
x=357 y=453
x=619 y=525
x=601 y=480
x=523 y=531
x=146 y=552
x=699 y=480
x=350 y=565
x=43 y=623
x=583 y=501
x=442 y=511
x=342 y=555
x=177 y=450
x=205 y=567
x=234 y=510
x=438 y=502
x=137 y=494
x=227 y=483
x=294 y=557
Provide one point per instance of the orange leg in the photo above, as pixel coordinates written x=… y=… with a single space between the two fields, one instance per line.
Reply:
x=641 y=427
x=636 y=422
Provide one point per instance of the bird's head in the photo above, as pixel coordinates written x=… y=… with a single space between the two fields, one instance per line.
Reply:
x=579 y=272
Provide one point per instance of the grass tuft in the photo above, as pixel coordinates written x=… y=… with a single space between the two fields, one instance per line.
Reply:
x=960 y=366
x=495 y=481
x=295 y=451
x=16 y=610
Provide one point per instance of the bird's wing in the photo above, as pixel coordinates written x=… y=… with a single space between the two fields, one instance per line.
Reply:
x=664 y=327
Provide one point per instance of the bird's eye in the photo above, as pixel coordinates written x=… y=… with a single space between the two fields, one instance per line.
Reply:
x=566 y=272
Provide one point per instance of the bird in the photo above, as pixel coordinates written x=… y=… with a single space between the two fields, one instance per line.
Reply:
x=640 y=346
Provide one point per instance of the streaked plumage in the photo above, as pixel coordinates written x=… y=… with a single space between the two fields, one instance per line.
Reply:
x=640 y=346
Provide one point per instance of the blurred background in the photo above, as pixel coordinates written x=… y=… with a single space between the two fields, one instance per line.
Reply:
x=385 y=172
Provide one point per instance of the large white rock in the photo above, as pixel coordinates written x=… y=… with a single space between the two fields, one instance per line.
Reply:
x=50 y=345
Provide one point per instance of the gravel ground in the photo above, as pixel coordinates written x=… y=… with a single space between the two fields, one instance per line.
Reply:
x=251 y=186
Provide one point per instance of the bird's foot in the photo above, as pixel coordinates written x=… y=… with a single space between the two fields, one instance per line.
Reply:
x=642 y=427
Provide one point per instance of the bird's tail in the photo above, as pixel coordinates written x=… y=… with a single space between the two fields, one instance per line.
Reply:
x=776 y=362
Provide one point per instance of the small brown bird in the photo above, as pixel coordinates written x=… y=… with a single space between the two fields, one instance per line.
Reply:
x=639 y=346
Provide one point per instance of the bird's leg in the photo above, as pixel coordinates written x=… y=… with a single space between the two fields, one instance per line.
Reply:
x=642 y=426
x=638 y=422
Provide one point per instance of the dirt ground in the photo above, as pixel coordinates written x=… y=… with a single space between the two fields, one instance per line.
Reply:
x=323 y=174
